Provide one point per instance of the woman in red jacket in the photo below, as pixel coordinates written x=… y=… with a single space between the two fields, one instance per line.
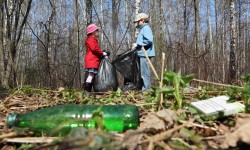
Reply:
x=93 y=55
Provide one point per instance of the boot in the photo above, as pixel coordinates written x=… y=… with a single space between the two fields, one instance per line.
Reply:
x=88 y=87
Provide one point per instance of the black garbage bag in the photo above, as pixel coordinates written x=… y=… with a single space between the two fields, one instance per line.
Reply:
x=106 y=78
x=128 y=65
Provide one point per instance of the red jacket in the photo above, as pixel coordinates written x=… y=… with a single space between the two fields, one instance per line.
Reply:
x=94 y=53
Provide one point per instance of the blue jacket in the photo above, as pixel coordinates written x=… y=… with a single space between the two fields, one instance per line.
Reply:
x=145 y=38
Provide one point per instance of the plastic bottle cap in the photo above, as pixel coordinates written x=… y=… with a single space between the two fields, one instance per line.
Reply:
x=11 y=120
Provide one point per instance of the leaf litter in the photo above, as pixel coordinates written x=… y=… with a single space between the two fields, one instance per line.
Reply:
x=163 y=129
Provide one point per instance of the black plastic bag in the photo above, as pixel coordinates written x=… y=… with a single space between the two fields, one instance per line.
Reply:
x=106 y=78
x=129 y=66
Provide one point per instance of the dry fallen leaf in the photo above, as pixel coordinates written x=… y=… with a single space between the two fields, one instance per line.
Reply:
x=159 y=120
x=240 y=134
x=242 y=119
x=153 y=122
x=60 y=89
x=132 y=139
x=169 y=116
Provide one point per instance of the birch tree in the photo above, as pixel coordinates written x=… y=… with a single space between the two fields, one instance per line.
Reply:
x=89 y=9
x=232 y=65
x=137 y=8
x=2 y=68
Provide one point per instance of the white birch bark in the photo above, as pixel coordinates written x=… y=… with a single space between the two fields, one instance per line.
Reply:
x=137 y=8
x=232 y=65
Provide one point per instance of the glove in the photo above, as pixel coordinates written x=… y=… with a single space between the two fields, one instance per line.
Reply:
x=134 y=46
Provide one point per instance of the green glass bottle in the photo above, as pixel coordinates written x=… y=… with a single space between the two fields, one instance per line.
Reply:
x=59 y=120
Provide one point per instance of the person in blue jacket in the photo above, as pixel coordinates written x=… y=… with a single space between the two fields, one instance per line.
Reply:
x=145 y=39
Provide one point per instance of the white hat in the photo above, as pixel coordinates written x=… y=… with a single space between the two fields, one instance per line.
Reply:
x=140 y=16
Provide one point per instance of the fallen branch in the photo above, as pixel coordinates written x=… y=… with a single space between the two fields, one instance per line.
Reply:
x=213 y=137
x=8 y=135
x=205 y=92
x=167 y=134
x=218 y=84
x=200 y=126
x=32 y=140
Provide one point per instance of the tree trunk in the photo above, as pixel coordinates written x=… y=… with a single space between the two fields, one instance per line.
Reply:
x=2 y=68
x=197 y=34
x=89 y=6
x=240 y=58
x=223 y=40
x=197 y=28
x=232 y=65
x=114 y=24
x=137 y=8
x=78 y=42
x=210 y=46
x=102 y=20
x=127 y=22
x=185 y=36
x=14 y=32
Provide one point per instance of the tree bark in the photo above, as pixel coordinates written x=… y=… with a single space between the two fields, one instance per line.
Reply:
x=210 y=34
x=78 y=42
x=14 y=32
x=114 y=24
x=197 y=24
x=89 y=7
x=2 y=68
x=137 y=8
x=197 y=35
x=232 y=65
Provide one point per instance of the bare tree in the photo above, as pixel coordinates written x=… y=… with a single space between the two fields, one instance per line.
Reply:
x=2 y=68
x=89 y=8
x=232 y=66
x=15 y=23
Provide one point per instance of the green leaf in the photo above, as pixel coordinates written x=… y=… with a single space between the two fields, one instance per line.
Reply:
x=170 y=75
x=191 y=135
x=180 y=144
x=187 y=133
x=192 y=110
x=166 y=89
x=188 y=78
x=97 y=117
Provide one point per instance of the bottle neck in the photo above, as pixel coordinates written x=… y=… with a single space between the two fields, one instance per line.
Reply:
x=12 y=119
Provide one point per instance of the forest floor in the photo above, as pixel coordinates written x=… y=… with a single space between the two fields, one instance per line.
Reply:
x=167 y=128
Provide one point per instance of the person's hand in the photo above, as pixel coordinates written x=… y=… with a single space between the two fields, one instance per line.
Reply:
x=134 y=46
x=106 y=53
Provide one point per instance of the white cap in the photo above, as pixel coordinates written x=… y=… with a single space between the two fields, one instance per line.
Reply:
x=140 y=16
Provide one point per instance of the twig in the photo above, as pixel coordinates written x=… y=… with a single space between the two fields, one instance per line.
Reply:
x=163 y=145
x=151 y=142
x=32 y=140
x=145 y=104
x=132 y=96
x=8 y=135
x=213 y=137
x=150 y=63
x=8 y=98
x=167 y=134
x=218 y=84
x=200 y=126
x=206 y=92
